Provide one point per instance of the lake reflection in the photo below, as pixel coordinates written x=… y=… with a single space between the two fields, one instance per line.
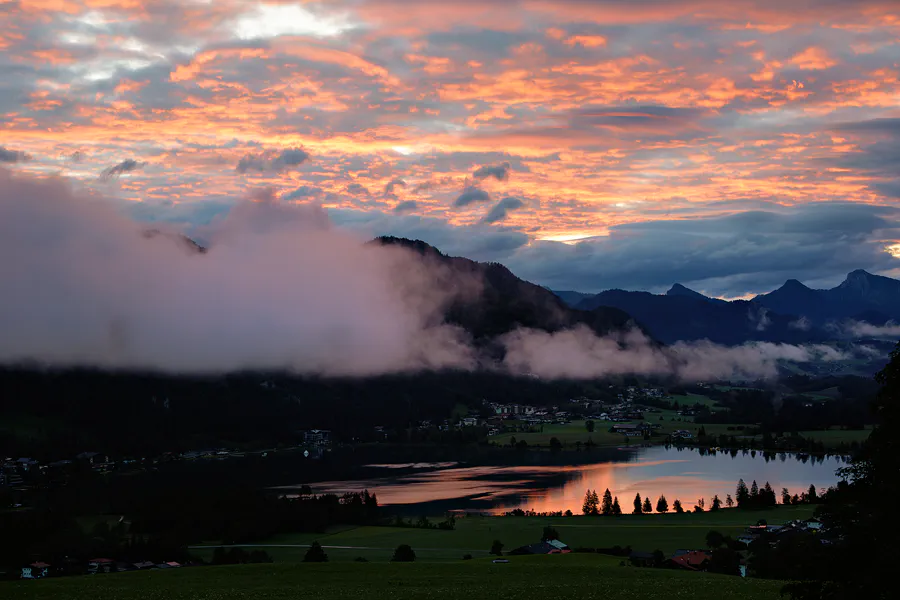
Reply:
x=683 y=474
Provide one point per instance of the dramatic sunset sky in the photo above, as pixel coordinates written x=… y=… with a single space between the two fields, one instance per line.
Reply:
x=586 y=144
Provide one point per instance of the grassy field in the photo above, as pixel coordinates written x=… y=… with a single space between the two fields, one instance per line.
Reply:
x=570 y=576
x=474 y=535
x=568 y=434
x=692 y=399
x=834 y=437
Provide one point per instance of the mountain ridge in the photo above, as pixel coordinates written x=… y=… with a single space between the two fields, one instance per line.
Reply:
x=792 y=313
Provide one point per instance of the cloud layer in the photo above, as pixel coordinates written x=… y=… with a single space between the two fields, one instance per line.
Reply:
x=279 y=288
x=615 y=123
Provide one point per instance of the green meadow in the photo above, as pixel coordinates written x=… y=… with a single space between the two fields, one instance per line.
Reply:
x=474 y=535
x=571 y=576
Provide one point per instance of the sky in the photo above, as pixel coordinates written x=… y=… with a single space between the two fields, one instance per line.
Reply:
x=586 y=144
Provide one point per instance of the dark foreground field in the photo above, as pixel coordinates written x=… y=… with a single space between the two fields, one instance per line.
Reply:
x=523 y=578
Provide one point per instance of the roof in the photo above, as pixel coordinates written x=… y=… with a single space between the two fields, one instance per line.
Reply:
x=101 y=560
x=539 y=548
x=39 y=565
x=691 y=560
x=558 y=544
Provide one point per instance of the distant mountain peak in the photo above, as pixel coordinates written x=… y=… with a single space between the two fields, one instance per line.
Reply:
x=857 y=277
x=680 y=290
x=794 y=284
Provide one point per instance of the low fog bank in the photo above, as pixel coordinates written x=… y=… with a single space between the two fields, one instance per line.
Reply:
x=278 y=289
x=578 y=353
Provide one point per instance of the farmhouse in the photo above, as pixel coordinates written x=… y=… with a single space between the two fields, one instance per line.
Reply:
x=548 y=547
x=695 y=560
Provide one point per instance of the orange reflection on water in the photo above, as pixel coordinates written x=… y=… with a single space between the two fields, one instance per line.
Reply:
x=682 y=475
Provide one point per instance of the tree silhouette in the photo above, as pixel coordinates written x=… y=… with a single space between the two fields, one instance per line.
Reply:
x=589 y=425
x=549 y=533
x=647 y=507
x=590 y=503
x=729 y=501
x=497 y=548
x=315 y=554
x=716 y=504
x=742 y=495
x=607 y=505
x=555 y=444
x=662 y=505
x=676 y=506
x=767 y=496
x=785 y=496
x=637 y=504
x=616 y=509
x=861 y=512
x=811 y=495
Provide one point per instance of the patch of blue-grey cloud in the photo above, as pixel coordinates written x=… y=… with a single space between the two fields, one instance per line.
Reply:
x=126 y=166
x=501 y=210
x=500 y=172
x=406 y=206
x=10 y=156
x=302 y=192
x=471 y=195
x=272 y=161
x=730 y=256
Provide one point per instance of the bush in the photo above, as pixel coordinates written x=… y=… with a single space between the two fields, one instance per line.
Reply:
x=404 y=553
x=315 y=554
x=360 y=559
x=467 y=557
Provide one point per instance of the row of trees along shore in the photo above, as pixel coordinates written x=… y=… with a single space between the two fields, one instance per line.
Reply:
x=752 y=497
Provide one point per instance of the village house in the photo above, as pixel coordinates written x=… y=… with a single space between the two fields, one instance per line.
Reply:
x=317 y=437
x=100 y=565
x=547 y=547
x=693 y=560
x=36 y=570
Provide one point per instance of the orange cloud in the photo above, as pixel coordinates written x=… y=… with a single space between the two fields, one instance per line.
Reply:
x=813 y=59
x=586 y=41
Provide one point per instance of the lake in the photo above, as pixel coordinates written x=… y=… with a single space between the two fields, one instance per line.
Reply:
x=685 y=474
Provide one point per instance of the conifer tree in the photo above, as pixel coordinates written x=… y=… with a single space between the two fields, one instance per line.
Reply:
x=607 y=505
x=647 y=507
x=767 y=496
x=637 y=504
x=742 y=495
x=616 y=509
x=676 y=506
x=662 y=505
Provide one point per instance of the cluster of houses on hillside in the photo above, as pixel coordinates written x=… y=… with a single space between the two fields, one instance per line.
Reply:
x=94 y=566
